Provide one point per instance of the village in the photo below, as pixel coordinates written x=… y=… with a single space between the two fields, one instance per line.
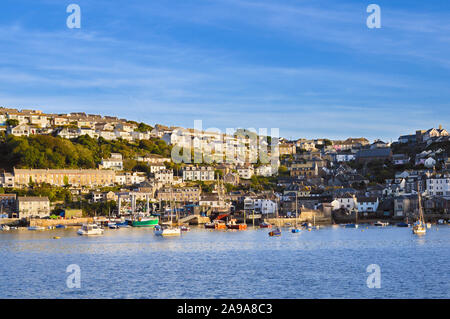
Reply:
x=322 y=181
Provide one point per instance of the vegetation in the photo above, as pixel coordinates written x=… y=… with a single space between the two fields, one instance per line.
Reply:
x=45 y=151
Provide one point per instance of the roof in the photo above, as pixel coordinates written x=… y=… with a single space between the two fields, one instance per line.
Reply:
x=367 y=199
x=33 y=199
x=377 y=152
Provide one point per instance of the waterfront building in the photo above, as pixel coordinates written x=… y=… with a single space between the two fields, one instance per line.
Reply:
x=438 y=185
x=33 y=206
x=367 y=204
x=115 y=162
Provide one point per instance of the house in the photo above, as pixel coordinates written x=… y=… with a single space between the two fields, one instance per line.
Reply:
x=407 y=139
x=7 y=203
x=265 y=170
x=115 y=162
x=425 y=135
x=33 y=206
x=194 y=173
x=156 y=167
x=179 y=194
x=346 y=201
x=245 y=171
x=429 y=162
x=103 y=196
x=231 y=178
x=344 y=157
x=400 y=159
x=309 y=169
x=19 y=130
x=438 y=185
x=367 y=204
x=165 y=176
x=287 y=148
x=6 y=179
x=130 y=178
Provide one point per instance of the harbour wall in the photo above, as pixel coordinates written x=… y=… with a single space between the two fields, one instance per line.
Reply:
x=67 y=222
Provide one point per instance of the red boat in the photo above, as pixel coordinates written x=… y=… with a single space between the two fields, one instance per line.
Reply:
x=265 y=225
x=233 y=225
x=216 y=224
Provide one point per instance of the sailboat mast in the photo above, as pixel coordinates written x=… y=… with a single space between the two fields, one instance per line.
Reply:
x=296 y=209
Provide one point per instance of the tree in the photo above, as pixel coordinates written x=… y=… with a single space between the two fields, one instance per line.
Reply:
x=12 y=122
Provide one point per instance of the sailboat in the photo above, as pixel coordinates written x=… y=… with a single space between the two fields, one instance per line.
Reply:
x=277 y=231
x=296 y=229
x=168 y=230
x=419 y=227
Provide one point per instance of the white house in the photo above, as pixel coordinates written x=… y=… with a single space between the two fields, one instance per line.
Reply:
x=191 y=173
x=438 y=185
x=114 y=162
x=346 y=201
x=429 y=162
x=245 y=172
x=367 y=204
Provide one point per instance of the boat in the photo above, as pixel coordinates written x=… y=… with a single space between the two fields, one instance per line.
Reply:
x=112 y=225
x=216 y=224
x=351 y=225
x=381 y=224
x=185 y=228
x=36 y=228
x=123 y=224
x=265 y=225
x=233 y=225
x=295 y=229
x=5 y=227
x=428 y=225
x=419 y=227
x=56 y=237
x=167 y=231
x=145 y=221
x=90 y=229
x=287 y=225
x=60 y=226
x=402 y=224
x=275 y=233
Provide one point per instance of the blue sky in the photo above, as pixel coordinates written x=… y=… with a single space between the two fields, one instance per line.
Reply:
x=311 y=68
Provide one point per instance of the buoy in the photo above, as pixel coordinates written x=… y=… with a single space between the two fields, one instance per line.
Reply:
x=56 y=237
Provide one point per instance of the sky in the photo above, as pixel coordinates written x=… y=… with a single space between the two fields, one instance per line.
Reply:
x=313 y=69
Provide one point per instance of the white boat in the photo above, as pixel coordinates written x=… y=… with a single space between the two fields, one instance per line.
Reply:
x=5 y=227
x=428 y=225
x=36 y=228
x=90 y=229
x=419 y=228
x=381 y=224
x=167 y=231
x=112 y=225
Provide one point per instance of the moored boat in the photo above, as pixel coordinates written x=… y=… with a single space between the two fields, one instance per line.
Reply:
x=402 y=224
x=233 y=225
x=265 y=225
x=419 y=227
x=185 y=228
x=90 y=229
x=60 y=226
x=112 y=225
x=36 y=228
x=381 y=224
x=5 y=227
x=167 y=231
x=145 y=222
x=275 y=233
x=351 y=225
x=216 y=224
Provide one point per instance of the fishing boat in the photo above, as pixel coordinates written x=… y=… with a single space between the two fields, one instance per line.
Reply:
x=123 y=224
x=90 y=230
x=60 y=226
x=36 y=228
x=216 y=224
x=351 y=225
x=167 y=231
x=265 y=225
x=275 y=233
x=381 y=224
x=141 y=221
x=419 y=227
x=233 y=225
x=402 y=224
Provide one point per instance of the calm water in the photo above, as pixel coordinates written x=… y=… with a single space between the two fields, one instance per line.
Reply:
x=133 y=263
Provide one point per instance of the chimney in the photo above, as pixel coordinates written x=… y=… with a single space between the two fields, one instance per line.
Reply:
x=440 y=127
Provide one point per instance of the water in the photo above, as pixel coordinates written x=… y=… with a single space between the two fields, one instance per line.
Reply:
x=133 y=263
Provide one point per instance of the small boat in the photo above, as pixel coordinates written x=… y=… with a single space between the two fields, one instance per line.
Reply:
x=56 y=237
x=124 y=224
x=60 y=226
x=145 y=221
x=419 y=227
x=90 y=229
x=381 y=224
x=275 y=233
x=295 y=230
x=265 y=225
x=5 y=227
x=166 y=231
x=428 y=225
x=185 y=228
x=36 y=228
x=287 y=225
x=402 y=224
x=351 y=225
x=216 y=224
x=233 y=225
x=112 y=226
